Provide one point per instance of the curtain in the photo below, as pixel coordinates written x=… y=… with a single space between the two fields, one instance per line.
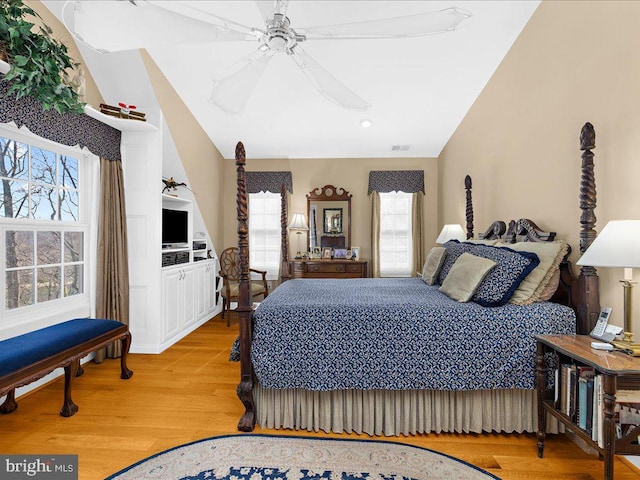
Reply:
x=113 y=268
x=375 y=234
x=417 y=231
x=408 y=181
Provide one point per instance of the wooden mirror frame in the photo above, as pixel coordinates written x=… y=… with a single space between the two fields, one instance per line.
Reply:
x=329 y=193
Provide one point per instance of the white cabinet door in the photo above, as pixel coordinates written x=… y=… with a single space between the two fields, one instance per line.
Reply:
x=201 y=280
x=171 y=307
x=188 y=294
x=206 y=288
x=210 y=287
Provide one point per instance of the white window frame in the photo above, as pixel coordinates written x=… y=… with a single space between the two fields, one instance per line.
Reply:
x=30 y=317
x=265 y=240
x=396 y=242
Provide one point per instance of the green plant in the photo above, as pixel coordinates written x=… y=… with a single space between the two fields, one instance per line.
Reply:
x=39 y=62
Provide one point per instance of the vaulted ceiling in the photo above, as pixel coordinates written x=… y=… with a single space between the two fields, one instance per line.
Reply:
x=419 y=88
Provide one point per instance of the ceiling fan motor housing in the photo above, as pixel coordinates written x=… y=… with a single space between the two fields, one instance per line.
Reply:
x=280 y=36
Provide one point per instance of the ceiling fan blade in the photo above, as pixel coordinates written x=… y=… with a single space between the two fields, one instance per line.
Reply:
x=109 y=26
x=231 y=93
x=397 y=27
x=326 y=83
x=268 y=8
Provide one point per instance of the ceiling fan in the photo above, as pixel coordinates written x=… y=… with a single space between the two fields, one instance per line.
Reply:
x=100 y=25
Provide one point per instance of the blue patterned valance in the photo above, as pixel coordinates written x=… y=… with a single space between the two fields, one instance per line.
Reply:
x=268 y=182
x=69 y=129
x=384 y=181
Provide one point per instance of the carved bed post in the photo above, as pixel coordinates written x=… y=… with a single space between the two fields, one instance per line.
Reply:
x=285 y=274
x=469 y=207
x=588 y=282
x=245 y=304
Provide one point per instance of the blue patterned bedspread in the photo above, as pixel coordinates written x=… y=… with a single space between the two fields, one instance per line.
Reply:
x=395 y=334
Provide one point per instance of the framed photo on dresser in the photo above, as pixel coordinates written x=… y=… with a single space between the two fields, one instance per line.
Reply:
x=340 y=253
x=326 y=252
x=355 y=253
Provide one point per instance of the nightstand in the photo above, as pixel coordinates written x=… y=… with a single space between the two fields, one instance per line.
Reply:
x=615 y=371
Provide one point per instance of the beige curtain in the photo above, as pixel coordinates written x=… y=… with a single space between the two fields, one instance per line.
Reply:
x=375 y=234
x=417 y=231
x=113 y=268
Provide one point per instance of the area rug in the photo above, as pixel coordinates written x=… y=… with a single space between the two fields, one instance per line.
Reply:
x=269 y=457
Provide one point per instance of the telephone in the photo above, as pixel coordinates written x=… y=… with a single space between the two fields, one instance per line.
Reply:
x=603 y=331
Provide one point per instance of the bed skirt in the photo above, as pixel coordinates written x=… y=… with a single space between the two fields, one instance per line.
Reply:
x=399 y=412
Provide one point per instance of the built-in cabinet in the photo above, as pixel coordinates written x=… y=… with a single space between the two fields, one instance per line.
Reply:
x=178 y=299
x=166 y=302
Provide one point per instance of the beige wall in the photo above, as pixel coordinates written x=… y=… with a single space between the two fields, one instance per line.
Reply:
x=201 y=159
x=352 y=174
x=574 y=62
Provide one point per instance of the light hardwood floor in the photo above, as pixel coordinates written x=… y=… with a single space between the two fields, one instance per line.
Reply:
x=188 y=393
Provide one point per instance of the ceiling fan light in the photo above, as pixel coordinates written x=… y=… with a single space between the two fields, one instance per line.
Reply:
x=366 y=123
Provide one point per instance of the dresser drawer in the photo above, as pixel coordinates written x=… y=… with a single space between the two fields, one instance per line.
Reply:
x=357 y=268
x=327 y=267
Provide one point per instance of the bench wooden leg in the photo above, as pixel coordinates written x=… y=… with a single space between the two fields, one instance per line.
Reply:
x=126 y=343
x=10 y=403
x=70 y=371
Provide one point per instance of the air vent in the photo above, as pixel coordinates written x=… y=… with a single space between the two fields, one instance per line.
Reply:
x=397 y=148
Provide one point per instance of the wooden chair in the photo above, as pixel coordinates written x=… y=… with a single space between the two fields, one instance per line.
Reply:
x=230 y=273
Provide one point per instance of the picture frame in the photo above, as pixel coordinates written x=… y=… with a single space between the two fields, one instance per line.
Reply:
x=316 y=252
x=326 y=252
x=355 y=253
x=340 y=253
x=349 y=254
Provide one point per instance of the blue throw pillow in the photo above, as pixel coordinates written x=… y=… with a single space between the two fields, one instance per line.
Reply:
x=454 y=250
x=511 y=269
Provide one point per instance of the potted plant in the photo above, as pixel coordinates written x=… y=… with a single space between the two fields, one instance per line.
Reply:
x=39 y=62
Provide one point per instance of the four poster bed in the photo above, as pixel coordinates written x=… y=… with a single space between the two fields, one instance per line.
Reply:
x=398 y=356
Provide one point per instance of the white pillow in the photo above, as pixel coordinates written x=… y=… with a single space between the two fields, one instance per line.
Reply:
x=533 y=286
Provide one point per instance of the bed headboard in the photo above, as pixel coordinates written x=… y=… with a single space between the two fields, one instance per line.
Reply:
x=581 y=292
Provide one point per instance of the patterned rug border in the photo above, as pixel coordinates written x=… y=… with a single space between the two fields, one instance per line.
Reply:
x=305 y=437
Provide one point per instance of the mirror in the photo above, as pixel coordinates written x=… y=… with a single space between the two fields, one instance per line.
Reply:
x=332 y=220
x=329 y=214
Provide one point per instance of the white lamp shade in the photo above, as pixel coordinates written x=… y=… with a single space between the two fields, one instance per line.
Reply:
x=617 y=245
x=451 y=232
x=298 y=222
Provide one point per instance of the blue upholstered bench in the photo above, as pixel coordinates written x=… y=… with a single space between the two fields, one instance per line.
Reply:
x=29 y=357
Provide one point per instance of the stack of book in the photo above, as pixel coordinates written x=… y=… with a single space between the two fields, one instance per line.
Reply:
x=579 y=395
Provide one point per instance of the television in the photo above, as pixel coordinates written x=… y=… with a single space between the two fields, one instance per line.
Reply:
x=175 y=227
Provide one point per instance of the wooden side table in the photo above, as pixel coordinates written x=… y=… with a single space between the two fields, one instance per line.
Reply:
x=619 y=371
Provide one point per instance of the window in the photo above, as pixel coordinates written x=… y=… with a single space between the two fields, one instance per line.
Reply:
x=265 y=232
x=43 y=229
x=395 y=234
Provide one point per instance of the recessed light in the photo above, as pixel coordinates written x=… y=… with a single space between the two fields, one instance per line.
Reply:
x=366 y=123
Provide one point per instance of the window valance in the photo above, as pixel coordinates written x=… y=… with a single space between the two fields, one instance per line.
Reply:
x=268 y=182
x=384 y=181
x=69 y=129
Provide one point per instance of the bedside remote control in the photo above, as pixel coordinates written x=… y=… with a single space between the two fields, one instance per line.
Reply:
x=601 y=346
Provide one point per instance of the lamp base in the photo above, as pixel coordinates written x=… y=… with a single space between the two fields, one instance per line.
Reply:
x=629 y=348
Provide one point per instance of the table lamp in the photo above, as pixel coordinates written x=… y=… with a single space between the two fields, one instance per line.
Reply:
x=299 y=225
x=617 y=246
x=451 y=232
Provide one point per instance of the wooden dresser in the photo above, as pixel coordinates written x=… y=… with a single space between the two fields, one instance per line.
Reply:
x=328 y=268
